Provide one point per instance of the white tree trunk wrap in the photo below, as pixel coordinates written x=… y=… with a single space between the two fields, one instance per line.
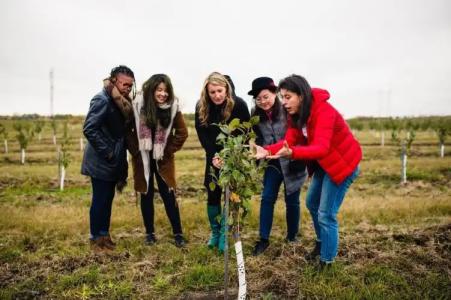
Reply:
x=404 y=167
x=54 y=139
x=6 y=146
x=82 y=146
x=22 y=156
x=382 y=139
x=442 y=150
x=241 y=271
x=63 y=174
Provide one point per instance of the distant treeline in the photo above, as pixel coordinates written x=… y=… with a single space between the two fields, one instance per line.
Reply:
x=25 y=117
x=399 y=123
x=358 y=123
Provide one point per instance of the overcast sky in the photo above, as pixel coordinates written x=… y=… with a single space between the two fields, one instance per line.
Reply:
x=385 y=57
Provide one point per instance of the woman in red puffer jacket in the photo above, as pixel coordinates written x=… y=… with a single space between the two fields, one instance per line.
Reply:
x=332 y=152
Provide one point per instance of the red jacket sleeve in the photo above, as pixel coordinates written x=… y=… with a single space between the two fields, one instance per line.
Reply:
x=319 y=144
x=293 y=137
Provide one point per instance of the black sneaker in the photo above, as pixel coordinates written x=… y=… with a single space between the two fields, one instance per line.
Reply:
x=324 y=266
x=260 y=247
x=315 y=252
x=293 y=240
x=150 y=239
x=179 y=240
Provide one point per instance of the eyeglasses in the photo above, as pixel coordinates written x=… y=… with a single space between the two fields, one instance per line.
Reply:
x=264 y=98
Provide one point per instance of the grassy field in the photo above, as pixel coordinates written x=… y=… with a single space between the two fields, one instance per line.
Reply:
x=395 y=239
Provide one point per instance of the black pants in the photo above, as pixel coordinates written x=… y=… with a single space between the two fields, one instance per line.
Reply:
x=100 y=212
x=214 y=197
x=170 y=203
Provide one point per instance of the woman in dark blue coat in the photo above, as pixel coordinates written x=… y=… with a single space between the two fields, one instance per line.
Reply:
x=104 y=159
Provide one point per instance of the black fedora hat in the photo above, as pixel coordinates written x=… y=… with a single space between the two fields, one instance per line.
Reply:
x=262 y=83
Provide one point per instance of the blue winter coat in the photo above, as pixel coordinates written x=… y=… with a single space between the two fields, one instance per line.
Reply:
x=104 y=128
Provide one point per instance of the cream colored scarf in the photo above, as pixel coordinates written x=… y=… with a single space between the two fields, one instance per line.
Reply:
x=158 y=144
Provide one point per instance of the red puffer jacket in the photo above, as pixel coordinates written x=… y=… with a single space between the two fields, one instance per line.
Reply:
x=329 y=140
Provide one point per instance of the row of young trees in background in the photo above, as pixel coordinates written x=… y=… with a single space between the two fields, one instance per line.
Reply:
x=406 y=127
x=403 y=133
x=26 y=131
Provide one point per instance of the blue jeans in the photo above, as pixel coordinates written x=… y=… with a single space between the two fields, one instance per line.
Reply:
x=100 y=211
x=324 y=198
x=272 y=180
x=170 y=203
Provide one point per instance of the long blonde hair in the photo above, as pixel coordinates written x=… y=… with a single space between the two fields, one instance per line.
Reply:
x=215 y=78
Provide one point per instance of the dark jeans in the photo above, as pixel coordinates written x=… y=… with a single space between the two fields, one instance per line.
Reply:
x=100 y=211
x=170 y=203
x=272 y=180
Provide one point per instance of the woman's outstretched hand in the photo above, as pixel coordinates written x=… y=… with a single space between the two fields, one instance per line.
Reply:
x=259 y=152
x=285 y=151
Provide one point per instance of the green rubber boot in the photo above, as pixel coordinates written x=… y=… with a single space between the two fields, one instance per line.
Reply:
x=221 y=243
x=214 y=212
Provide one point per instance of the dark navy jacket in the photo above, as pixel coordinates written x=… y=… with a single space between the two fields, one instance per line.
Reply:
x=104 y=128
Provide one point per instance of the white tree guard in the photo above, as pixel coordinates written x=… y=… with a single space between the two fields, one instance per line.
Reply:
x=63 y=174
x=54 y=139
x=22 y=156
x=404 y=167
x=82 y=146
x=442 y=150
x=241 y=271
x=382 y=139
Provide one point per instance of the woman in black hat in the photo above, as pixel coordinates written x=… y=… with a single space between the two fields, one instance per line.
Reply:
x=272 y=128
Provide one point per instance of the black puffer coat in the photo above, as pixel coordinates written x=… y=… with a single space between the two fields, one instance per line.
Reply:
x=207 y=134
x=104 y=128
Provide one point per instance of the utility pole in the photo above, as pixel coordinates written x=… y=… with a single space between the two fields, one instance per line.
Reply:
x=51 y=92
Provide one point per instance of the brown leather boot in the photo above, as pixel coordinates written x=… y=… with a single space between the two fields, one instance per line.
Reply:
x=97 y=245
x=108 y=243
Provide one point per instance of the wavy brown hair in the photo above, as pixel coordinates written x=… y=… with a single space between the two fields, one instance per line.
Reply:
x=205 y=102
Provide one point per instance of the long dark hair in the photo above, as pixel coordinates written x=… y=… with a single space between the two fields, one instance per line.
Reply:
x=257 y=111
x=150 y=109
x=299 y=85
